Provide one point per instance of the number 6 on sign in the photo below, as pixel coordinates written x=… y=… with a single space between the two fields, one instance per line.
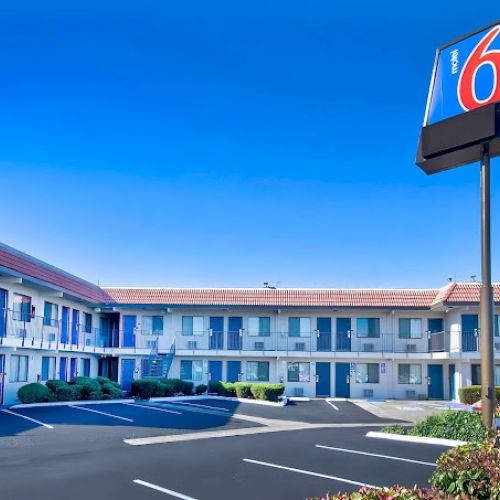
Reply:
x=479 y=57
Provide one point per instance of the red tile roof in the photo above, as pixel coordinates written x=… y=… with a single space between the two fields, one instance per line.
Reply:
x=386 y=298
x=29 y=266
x=464 y=293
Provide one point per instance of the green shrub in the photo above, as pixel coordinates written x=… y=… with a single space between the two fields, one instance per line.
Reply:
x=88 y=385
x=472 y=394
x=187 y=388
x=164 y=389
x=396 y=429
x=460 y=425
x=144 y=388
x=229 y=389
x=201 y=389
x=54 y=384
x=177 y=384
x=35 y=393
x=69 y=393
x=267 y=392
x=243 y=390
x=96 y=396
x=471 y=471
x=389 y=493
x=112 y=391
x=216 y=387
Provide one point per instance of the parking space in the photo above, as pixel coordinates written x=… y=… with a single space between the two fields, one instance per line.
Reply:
x=84 y=448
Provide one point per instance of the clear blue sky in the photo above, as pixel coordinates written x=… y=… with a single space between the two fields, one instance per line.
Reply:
x=208 y=143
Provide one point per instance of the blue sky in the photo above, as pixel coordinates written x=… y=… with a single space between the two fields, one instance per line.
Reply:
x=230 y=143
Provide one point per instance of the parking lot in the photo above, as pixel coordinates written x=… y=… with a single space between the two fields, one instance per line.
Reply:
x=200 y=449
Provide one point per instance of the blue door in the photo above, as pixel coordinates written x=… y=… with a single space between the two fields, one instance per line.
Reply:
x=435 y=381
x=233 y=371
x=234 y=333
x=75 y=320
x=343 y=334
x=342 y=380
x=216 y=332
x=64 y=324
x=324 y=334
x=469 y=332
x=62 y=368
x=2 y=376
x=72 y=369
x=215 y=370
x=128 y=368
x=451 y=378
x=323 y=380
x=3 y=315
x=129 y=323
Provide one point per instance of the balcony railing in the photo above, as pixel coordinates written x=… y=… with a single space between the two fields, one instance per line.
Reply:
x=310 y=342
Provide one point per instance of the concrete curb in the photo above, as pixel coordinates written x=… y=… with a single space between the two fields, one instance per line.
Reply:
x=171 y=399
x=416 y=439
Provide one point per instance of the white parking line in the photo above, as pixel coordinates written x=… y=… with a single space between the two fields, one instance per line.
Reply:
x=332 y=405
x=28 y=418
x=200 y=406
x=150 y=407
x=100 y=413
x=356 y=452
x=162 y=490
x=309 y=473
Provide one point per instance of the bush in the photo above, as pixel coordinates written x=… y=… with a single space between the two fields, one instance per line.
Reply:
x=471 y=471
x=267 y=392
x=164 y=389
x=177 y=384
x=396 y=429
x=53 y=385
x=243 y=390
x=88 y=385
x=96 y=396
x=69 y=392
x=187 y=388
x=216 y=387
x=112 y=391
x=472 y=394
x=144 y=388
x=229 y=389
x=35 y=393
x=460 y=425
x=200 y=389
x=389 y=493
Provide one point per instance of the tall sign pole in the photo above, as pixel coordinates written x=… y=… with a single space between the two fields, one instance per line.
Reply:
x=462 y=126
x=488 y=396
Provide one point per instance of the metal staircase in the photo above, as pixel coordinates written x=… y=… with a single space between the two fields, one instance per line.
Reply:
x=158 y=365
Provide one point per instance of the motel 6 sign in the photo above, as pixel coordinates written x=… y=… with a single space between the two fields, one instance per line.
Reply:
x=462 y=105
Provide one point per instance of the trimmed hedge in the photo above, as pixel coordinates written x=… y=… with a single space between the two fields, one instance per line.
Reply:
x=144 y=388
x=200 y=389
x=226 y=389
x=69 y=393
x=35 y=393
x=243 y=390
x=54 y=384
x=88 y=385
x=112 y=390
x=267 y=392
x=472 y=394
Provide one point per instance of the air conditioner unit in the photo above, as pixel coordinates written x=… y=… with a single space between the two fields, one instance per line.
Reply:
x=88 y=342
x=368 y=393
x=51 y=337
x=368 y=347
x=411 y=394
x=411 y=347
x=298 y=391
x=259 y=346
x=192 y=344
x=300 y=346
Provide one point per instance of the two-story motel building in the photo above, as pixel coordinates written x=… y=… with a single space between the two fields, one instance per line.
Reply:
x=352 y=343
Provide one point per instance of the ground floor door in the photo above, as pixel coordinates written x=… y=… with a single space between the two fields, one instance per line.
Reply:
x=73 y=368
x=215 y=370
x=435 y=381
x=128 y=369
x=323 y=380
x=63 y=368
x=342 y=380
x=451 y=381
x=233 y=371
x=108 y=367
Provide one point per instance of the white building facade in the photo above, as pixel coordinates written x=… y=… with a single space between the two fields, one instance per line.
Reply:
x=350 y=343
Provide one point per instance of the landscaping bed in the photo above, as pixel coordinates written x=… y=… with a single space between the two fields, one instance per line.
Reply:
x=80 y=389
